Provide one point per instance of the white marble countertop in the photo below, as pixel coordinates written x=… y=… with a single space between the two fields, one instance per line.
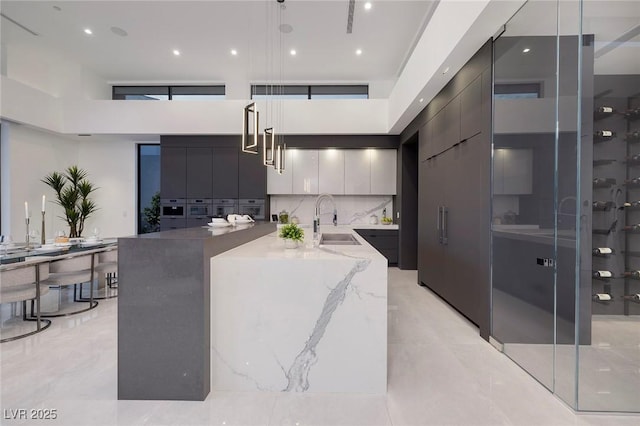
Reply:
x=271 y=246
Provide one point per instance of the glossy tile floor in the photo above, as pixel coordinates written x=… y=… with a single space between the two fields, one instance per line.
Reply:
x=440 y=373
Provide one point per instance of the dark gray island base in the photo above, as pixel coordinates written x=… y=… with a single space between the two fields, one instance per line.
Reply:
x=164 y=310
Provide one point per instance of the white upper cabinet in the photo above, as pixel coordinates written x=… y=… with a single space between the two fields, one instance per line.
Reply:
x=304 y=171
x=357 y=171
x=280 y=184
x=335 y=171
x=383 y=171
x=331 y=171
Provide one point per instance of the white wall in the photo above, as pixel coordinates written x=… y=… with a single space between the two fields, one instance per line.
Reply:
x=31 y=154
x=52 y=73
x=112 y=168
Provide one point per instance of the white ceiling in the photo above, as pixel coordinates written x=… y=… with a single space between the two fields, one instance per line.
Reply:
x=206 y=31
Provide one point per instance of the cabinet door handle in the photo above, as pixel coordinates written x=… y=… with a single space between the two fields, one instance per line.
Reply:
x=445 y=225
x=439 y=224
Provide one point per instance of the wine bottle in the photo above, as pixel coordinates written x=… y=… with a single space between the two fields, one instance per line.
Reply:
x=632 y=114
x=605 y=133
x=634 y=181
x=602 y=297
x=633 y=137
x=602 y=274
x=632 y=274
x=604 y=110
x=602 y=205
x=631 y=204
x=602 y=250
x=604 y=181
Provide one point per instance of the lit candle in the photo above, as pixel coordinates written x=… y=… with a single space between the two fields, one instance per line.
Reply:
x=26 y=210
x=43 y=201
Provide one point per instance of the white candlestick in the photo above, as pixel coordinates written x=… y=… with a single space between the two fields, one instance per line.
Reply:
x=43 y=203
x=26 y=210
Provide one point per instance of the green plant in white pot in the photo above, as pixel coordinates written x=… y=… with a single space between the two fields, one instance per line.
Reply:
x=293 y=235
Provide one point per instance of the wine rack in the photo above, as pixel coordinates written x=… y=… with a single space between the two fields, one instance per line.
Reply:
x=616 y=198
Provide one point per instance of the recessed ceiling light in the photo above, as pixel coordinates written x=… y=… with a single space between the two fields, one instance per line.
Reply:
x=293 y=52
x=234 y=52
x=446 y=70
x=285 y=28
x=119 y=31
x=88 y=31
x=421 y=100
x=526 y=50
x=176 y=52
x=367 y=5
x=359 y=52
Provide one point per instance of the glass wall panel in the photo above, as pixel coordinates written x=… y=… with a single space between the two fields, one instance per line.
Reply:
x=524 y=235
x=609 y=365
x=566 y=199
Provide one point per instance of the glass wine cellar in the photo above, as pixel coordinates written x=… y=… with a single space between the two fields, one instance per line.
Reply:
x=566 y=199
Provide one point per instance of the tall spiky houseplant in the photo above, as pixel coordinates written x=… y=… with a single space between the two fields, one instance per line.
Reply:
x=72 y=192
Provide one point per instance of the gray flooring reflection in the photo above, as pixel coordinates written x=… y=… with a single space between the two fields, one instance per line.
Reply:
x=440 y=372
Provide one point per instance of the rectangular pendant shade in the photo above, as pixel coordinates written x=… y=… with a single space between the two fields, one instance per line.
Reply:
x=268 y=153
x=250 y=140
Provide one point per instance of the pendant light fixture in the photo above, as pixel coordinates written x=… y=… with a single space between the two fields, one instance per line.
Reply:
x=273 y=147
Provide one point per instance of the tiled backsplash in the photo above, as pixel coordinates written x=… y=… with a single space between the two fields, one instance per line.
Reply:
x=352 y=209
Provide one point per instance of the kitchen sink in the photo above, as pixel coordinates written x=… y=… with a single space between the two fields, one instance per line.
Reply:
x=338 y=240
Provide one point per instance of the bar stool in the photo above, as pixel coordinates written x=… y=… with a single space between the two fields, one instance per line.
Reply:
x=107 y=265
x=22 y=283
x=72 y=271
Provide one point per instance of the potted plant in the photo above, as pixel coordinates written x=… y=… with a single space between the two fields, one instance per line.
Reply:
x=72 y=192
x=293 y=235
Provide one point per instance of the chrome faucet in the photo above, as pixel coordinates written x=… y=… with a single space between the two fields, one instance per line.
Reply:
x=316 y=216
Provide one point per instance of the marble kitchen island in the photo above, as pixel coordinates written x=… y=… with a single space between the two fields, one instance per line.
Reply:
x=306 y=319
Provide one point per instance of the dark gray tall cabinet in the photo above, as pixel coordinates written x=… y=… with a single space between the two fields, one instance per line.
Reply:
x=173 y=176
x=454 y=191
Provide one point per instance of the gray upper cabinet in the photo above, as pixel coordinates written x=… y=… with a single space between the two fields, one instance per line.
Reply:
x=438 y=134
x=225 y=172
x=452 y=124
x=173 y=176
x=471 y=110
x=252 y=180
x=199 y=173
x=425 y=149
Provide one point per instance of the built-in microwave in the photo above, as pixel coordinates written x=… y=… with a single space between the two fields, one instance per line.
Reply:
x=199 y=207
x=174 y=207
x=252 y=207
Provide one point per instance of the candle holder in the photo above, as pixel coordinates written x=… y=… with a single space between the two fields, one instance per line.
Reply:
x=27 y=236
x=42 y=238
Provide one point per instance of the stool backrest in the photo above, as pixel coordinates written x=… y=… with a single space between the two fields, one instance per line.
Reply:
x=72 y=264
x=108 y=256
x=22 y=276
